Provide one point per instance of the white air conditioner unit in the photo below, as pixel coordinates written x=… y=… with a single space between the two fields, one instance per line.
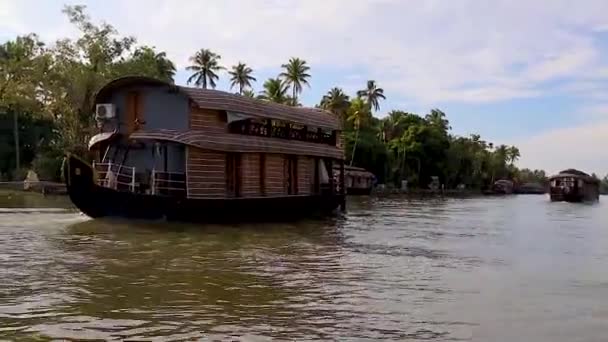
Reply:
x=105 y=111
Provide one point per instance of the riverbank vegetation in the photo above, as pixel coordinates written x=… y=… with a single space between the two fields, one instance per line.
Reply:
x=47 y=93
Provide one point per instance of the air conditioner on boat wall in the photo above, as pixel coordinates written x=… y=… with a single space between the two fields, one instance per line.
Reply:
x=104 y=111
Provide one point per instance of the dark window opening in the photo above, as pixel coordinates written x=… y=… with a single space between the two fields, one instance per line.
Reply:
x=292 y=175
x=263 y=174
x=233 y=174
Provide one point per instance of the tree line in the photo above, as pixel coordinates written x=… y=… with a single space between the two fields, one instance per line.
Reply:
x=47 y=92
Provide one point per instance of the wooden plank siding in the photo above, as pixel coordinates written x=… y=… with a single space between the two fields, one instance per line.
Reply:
x=250 y=175
x=207 y=169
x=206 y=173
x=208 y=121
x=305 y=175
x=276 y=182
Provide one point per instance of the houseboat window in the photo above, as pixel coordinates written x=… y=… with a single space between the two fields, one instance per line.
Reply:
x=233 y=174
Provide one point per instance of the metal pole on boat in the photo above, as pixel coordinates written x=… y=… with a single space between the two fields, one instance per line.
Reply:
x=133 y=180
x=107 y=182
x=153 y=182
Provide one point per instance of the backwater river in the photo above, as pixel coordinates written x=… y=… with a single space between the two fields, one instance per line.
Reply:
x=516 y=268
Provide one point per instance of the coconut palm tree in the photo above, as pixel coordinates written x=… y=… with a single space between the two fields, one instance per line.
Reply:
x=513 y=154
x=357 y=113
x=336 y=101
x=205 y=66
x=372 y=94
x=241 y=76
x=248 y=93
x=438 y=119
x=296 y=75
x=275 y=90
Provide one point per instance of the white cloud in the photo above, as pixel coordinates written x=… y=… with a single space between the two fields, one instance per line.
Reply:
x=582 y=147
x=425 y=51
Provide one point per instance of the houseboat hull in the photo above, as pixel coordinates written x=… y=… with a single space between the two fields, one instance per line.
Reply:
x=96 y=201
x=557 y=195
x=358 y=191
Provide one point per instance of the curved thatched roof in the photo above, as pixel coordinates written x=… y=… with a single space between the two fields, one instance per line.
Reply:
x=221 y=100
x=574 y=173
x=357 y=171
x=241 y=143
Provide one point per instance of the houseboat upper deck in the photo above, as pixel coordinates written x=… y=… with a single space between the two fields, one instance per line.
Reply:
x=195 y=154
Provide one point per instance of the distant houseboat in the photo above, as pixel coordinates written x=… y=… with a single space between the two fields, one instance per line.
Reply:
x=574 y=186
x=502 y=187
x=358 y=181
x=166 y=151
x=531 y=189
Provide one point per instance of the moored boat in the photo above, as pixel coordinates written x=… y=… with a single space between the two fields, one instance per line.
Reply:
x=574 y=186
x=358 y=181
x=166 y=151
x=502 y=187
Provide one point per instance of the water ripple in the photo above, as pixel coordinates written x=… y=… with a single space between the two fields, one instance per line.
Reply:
x=392 y=268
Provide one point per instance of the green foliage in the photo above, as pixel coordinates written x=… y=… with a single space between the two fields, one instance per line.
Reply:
x=275 y=90
x=35 y=133
x=145 y=61
x=51 y=89
x=407 y=146
x=336 y=101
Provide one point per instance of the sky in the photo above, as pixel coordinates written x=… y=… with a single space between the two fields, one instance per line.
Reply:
x=533 y=74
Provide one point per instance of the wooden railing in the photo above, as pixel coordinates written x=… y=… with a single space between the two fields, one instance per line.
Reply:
x=287 y=131
x=168 y=183
x=124 y=178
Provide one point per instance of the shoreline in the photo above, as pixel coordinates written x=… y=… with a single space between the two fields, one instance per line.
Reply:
x=41 y=187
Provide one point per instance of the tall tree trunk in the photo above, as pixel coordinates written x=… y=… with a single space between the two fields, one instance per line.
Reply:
x=16 y=136
x=204 y=81
x=294 y=99
x=403 y=166
x=241 y=88
x=352 y=158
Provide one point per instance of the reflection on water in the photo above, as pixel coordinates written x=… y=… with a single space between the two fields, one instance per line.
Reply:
x=500 y=269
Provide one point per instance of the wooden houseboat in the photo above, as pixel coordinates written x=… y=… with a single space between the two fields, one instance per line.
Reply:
x=358 y=181
x=180 y=153
x=574 y=186
x=502 y=187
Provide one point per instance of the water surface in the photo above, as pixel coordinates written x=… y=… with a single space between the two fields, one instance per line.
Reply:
x=486 y=269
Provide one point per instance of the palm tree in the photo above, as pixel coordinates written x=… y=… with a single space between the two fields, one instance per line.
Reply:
x=358 y=112
x=241 y=76
x=248 y=93
x=513 y=154
x=438 y=119
x=372 y=94
x=205 y=65
x=336 y=101
x=275 y=90
x=296 y=75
